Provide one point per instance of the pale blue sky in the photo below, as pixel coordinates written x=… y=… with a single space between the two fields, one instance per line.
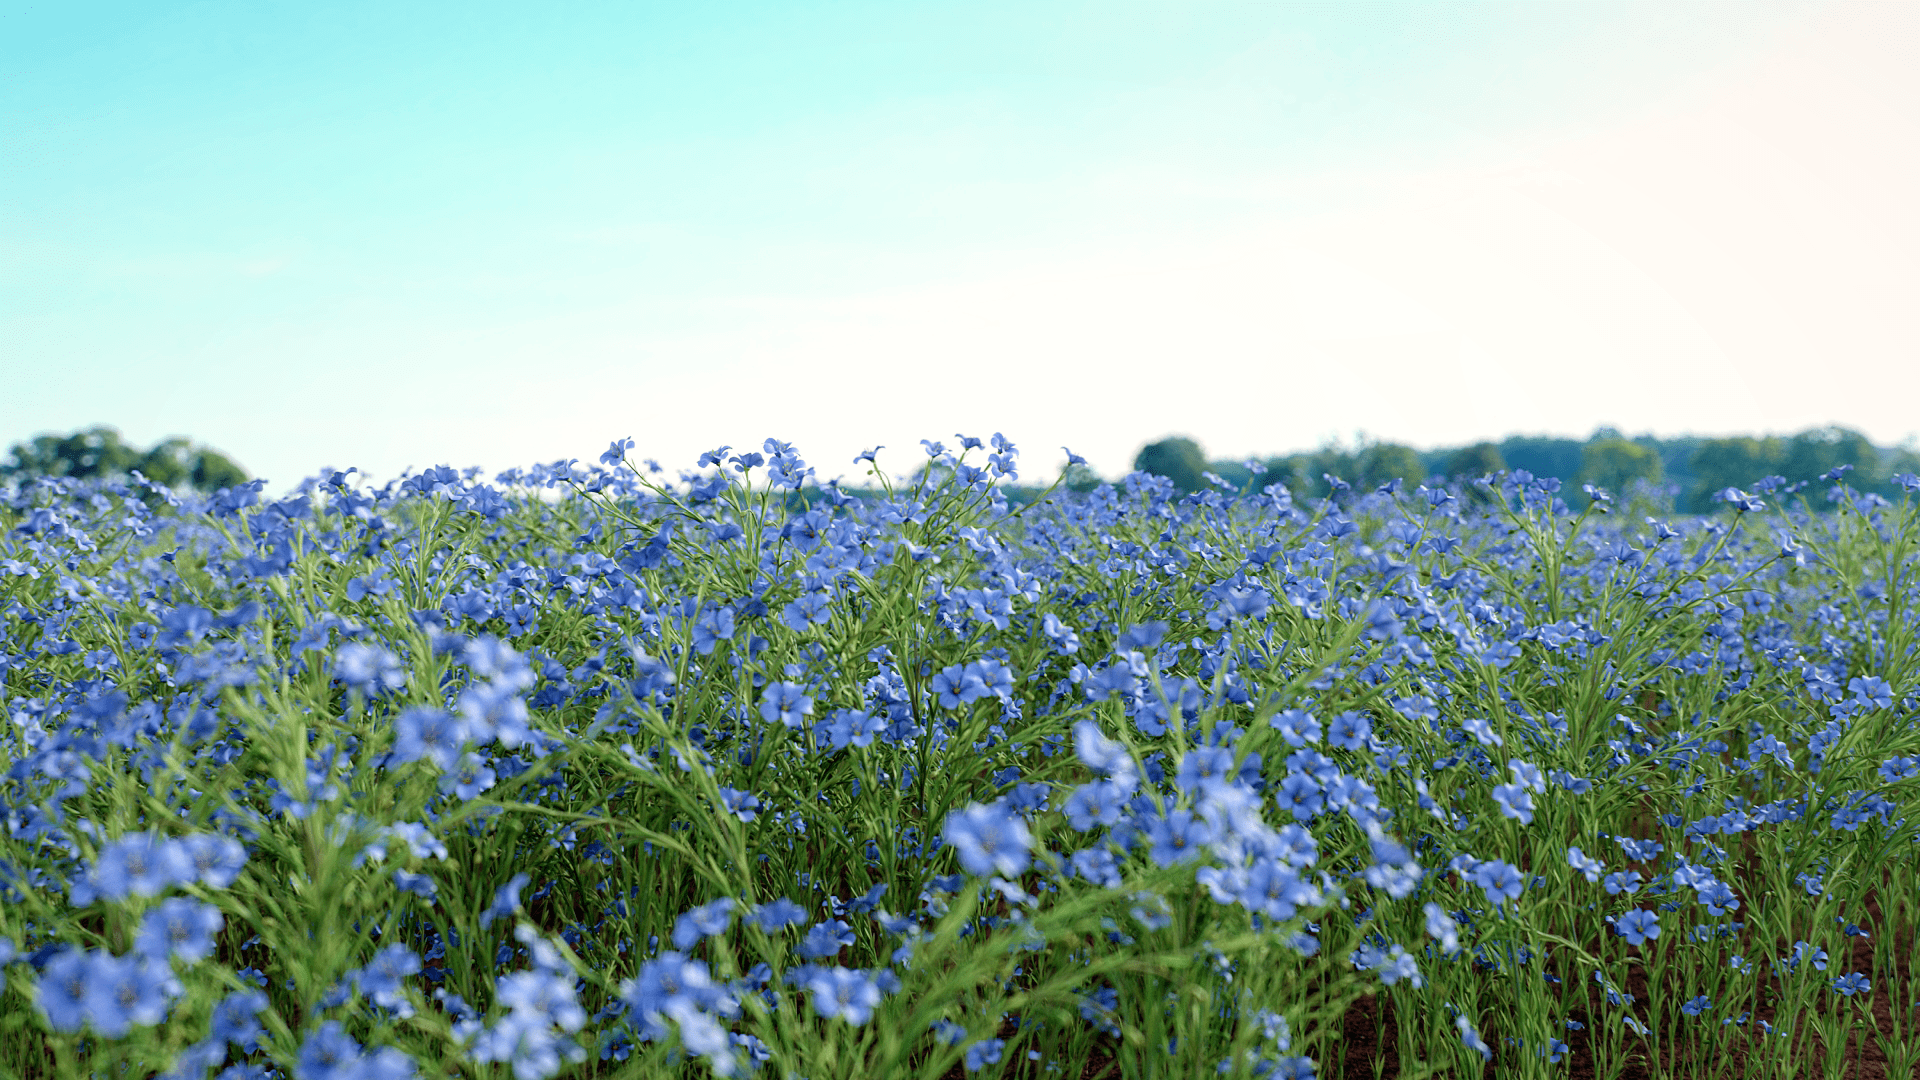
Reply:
x=393 y=235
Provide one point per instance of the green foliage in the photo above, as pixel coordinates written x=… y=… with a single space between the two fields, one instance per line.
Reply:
x=1737 y=462
x=1719 y=464
x=1615 y=463
x=98 y=453
x=1082 y=479
x=1472 y=462
x=1541 y=455
x=1381 y=463
x=1178 y=459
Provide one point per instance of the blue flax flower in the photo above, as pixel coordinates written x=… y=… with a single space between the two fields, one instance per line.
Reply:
x=1471 y=1039
x=1514 y=802
x=1177 y=837
x=787 y=703
x=506 y=899
x=123 y=991
x=984 y=1053
x=329 y=1053
x=429 y=732
x=1098 y=803
x=849 y=995
x=1586 y=864
x=1638 y=926
x=178 y=927
x=989 y=840
x=217 y=860
x=825 y=940
x=236 y=1019
x=1297 y=726
x=703 y=922
x=61 y=991
x=1501 y=881
x=141 y=864
x=776 y=915
x=1849 y=985
x=1349 y=730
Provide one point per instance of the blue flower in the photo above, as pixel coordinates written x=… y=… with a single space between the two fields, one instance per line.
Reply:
x=1849 y=985
x=1101 y=754
x=1586 y=864
x=787 y=703
x=849 y=995
x=1478 y=727
x=1098 y=803
x=1622 y=881
x=427 y=731
x=1349 y=730
x=1527 y=776
x=825 y=939
x=506 y=899
x=329 y=1053
x=984 y=1053
x=123 y=991
x=1204 y=766
x=1514 y=802
x=368 y=669
x=469 y=780
x=380 y=980
x=141 y=864
x=1697 y=1005
x=545 y=998
x=1638 y=926
x=1177 y=837
x=1442 y=928
x=1301 y=794
x=178 y=927
x=1471 y=1039
x=1718 y=898
x=236 y=1019
x=703 y=922
x=1297 y=726
x=61 y=991
x=989 y=840
x=712 y=627
x=1871 y=692
x=776 y=915
x=1098 y=866
x=1501 y=881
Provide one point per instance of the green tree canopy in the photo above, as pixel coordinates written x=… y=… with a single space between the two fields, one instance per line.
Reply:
x=98 y=453
x=1614 y=463
x=1819 y=450
x=1542 y=456
x=1178 y=459
x=1719 y=464
x=1081 y=478
x=1380 y=463
x=1473 y=462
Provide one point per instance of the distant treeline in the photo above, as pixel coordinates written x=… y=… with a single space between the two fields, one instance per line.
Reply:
x=98 y=453
x=1680 y=475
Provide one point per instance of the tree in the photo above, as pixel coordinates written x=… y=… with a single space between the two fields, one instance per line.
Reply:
x=1178 y=459
x=99 y=454
x=1474 y=462
x=1542 y=456
x=1719 y=464
x=1381 y=463
x=1081 y=478
x=1613 y=463
x=83 y=455
x=1819 y=450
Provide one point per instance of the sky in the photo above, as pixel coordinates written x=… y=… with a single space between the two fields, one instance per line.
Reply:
x=319 y=235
